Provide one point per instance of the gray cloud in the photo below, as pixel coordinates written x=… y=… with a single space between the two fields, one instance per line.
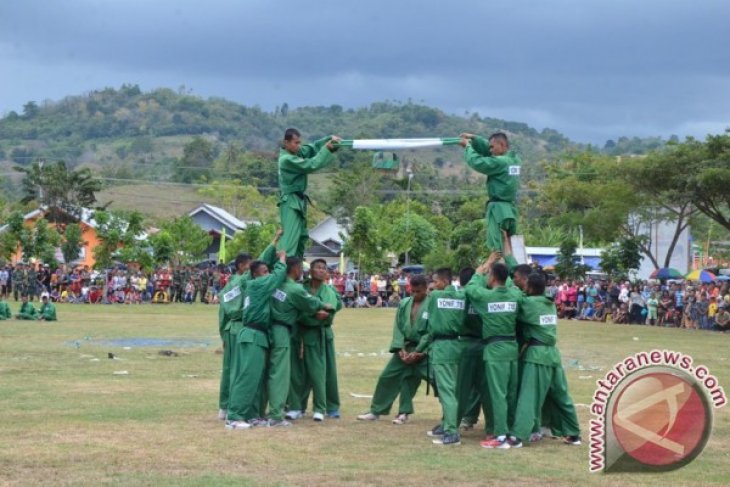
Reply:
x=592 y=69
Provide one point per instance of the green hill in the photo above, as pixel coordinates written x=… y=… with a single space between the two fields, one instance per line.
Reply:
x=128 y=126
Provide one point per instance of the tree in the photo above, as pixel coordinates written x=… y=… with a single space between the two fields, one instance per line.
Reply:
x=72 y=242
x=363 y=243
x=620 y=258
x=115 y=231
x=163 y=247
x=30 y=109
x=190 y=240
x=252 y=240
x=568 y=266
x=196 y=162
x=412 y=234
x=57 y=187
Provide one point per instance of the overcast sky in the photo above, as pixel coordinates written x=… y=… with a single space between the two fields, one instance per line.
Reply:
x=592 y=69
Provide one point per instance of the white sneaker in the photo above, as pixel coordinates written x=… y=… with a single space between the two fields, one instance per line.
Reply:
x=293 y=414
x=318 y=417
x=237 y=425
x=535 y=437
x=401 y=419
x=368 y=417
x=222 y=414
x=279 y=423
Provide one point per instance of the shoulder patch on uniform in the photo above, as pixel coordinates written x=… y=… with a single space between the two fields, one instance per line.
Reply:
x=548 y=320
x=444 y=303
x=514 y=170
x=503 y=307
x=279 y=295
x=232 y=294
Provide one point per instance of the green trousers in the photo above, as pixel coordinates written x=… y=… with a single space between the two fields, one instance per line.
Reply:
x=471 y=382
x=539 y=382
x=501 y=381
x=248 y=364
x=228 y=343
x=295 y=237
x=25 y=316
x=446 y=377
x=279 y=373
x=332 y=389
x=398 y=379
x=500 y=216
x=310 y=374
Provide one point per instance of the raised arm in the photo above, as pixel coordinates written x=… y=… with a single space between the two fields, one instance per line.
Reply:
x=489 y=165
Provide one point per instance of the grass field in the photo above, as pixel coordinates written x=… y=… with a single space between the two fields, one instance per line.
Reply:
x=66 y=418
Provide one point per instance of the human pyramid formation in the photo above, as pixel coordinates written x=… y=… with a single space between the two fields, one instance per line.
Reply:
x=489 y=345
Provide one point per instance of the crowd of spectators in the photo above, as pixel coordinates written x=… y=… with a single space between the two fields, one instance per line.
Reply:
x=122 y=284
x=679 y=304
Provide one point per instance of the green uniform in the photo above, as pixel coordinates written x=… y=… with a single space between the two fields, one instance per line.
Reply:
x=230 y=309
x=247 y=388
x=48 y=312
x=542 y=372
x=230 y=325
x=471 y=370
x=316 y=368
x=498 y=308
x=27 y=312
x=446 y=325
x=399 y=378
x=293 y=171
x=503 y=181
x=289 y=303
x=4 y=311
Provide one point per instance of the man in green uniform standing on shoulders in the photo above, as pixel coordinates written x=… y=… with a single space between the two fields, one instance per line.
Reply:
x=27 y=310
x=289 y=303
x=407 y=367
x=502 y=168
x=542 y=371
x=247 y=386
x=230 y=319
x=445 y=345
x=48 y=309
x=498 y=306
x=315 y=368
x=296 y=161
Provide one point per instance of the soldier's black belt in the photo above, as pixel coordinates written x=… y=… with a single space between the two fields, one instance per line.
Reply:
x=286 y=325
x=493 y=200
x=445 y=337
x=257 y=326
x=534 y=342
x=409 y=343
x=499 y=338
x=469 y=337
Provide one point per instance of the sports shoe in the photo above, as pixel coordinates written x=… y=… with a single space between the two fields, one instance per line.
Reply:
x=222 y=414
x=448 y=439
x=500 y=442
x=368 y=417
x=535 y=437
x=572 y=440
x=293 y=414
x=400 y=419
x=279 y=423
x=334 y=414
x=514 y=442
x=547 y=433
x=466 y=425
x=259 y=423
x=436 y=431
x=318 y=417
x=237 y=425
